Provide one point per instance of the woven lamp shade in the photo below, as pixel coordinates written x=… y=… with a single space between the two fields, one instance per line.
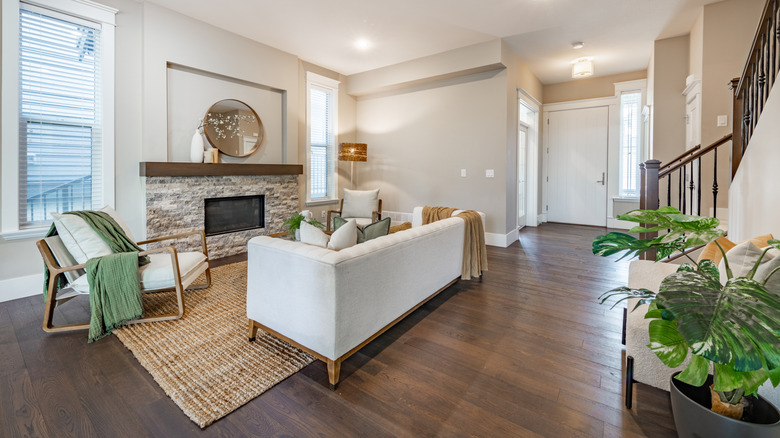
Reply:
x=353 y=152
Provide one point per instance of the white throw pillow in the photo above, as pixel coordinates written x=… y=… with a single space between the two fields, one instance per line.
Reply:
x=81 y=241
x=118 y=219
x=743 y=257
x=313 y=235
x=360 y=203
x=344 y=237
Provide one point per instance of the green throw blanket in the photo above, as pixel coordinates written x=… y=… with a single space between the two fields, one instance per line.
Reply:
x=114 y=292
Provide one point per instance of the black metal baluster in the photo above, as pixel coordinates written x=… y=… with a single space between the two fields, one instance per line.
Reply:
x=691 y=187
x=682 y=187
x=669 y=190
x=698 y=188
x=715 y=184
x=679 y=190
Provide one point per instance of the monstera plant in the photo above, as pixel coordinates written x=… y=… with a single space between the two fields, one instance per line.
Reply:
x=733 y=329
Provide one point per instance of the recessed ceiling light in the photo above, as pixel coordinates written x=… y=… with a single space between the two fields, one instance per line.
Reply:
x=363 y=44
x=577 y=45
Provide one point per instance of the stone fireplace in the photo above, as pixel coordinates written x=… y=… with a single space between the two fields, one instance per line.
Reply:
x=175 y=204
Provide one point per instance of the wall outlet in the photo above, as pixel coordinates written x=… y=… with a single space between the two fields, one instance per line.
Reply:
x=323 y=214
x=723 y=120
x=462 y=173
x=490 y=173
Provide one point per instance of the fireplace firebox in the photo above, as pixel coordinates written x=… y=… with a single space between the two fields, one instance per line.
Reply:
x=236 y=213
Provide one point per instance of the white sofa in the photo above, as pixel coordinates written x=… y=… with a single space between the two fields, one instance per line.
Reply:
x=332 y=303
x=647 y=368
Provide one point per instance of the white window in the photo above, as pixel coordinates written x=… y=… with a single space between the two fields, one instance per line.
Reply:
x=630 y=143
x=322 y=103
x=64 y=112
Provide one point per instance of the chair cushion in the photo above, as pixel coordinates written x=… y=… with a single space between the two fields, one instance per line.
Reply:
x=360 y=203
x=158 y=274
x=81 y=241
x=63 y=257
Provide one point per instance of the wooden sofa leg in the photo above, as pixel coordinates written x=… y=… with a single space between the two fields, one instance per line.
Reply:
x=629 y=381
x=252 y=330
x=334 y=368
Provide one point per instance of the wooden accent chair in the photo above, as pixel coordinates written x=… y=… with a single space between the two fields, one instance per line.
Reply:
x=362 y=205
x=168 y=270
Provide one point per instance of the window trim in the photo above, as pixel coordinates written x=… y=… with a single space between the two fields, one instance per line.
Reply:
x=621 y=88
x=313 y=79
x=9 y=181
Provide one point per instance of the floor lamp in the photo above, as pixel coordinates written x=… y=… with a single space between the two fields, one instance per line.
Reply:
x=353 y=152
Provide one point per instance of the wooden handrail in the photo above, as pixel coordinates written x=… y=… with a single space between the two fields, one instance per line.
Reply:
x=681 y=156
x=667 y=170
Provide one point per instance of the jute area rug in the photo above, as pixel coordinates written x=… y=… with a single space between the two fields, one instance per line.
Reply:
x=204 y=361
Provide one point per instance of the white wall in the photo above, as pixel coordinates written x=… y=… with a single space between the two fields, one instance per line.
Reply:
x=754 y=209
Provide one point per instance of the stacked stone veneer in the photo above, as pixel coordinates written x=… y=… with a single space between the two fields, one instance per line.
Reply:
x=176 y=205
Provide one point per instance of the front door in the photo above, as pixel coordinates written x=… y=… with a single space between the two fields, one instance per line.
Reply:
x=577 y=166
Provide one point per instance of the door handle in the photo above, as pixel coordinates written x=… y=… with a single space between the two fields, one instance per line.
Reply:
x=602 y=180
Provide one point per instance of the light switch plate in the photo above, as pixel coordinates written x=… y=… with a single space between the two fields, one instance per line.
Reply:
x=463 y=173
x=723 y=120
x=490 y=173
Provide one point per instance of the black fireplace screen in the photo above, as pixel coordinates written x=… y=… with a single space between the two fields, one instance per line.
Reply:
x=237 y=213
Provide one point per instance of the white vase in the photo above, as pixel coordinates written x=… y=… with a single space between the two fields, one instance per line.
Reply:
x=196 y=148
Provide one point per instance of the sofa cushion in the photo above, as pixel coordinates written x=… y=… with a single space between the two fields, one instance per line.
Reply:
x=344 y=236
x=313 y=235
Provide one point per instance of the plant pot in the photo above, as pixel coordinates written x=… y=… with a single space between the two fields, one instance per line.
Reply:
x=693 y=416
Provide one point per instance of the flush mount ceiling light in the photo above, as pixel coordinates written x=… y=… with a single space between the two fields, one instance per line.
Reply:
x=582 y=67
x=577 y=45
x=362 y=44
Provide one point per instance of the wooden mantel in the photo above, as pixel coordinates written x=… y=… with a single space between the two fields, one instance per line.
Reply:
x=150 y=168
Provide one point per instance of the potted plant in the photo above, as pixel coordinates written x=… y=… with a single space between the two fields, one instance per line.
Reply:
x=293 y=224
x=731 y=329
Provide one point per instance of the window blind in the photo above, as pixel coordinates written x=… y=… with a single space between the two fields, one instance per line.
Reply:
x=321 y=132
x=60 y=150
x=630 y=137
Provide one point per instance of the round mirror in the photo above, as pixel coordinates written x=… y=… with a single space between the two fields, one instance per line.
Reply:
x=233 y=127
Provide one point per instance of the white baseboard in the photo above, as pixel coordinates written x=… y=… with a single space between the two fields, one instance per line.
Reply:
x=21 y=287
x=501 y=240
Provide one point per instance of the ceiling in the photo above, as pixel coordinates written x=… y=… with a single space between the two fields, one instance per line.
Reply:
x=618 y=34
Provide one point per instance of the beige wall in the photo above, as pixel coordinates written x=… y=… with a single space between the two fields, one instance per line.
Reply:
x=422 y=133
x=670 y=70
x=589 y=88
x=696 y=47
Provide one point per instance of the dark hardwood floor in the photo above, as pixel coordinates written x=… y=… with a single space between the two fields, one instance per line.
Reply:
x=526 y=351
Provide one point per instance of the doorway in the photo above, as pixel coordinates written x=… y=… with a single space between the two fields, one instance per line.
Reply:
x=577 y=166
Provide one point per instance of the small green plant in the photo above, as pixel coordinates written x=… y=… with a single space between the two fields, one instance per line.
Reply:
x=294 y=223
x=732 y=328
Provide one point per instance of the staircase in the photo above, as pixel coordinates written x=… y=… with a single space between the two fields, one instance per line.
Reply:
x=690 y=181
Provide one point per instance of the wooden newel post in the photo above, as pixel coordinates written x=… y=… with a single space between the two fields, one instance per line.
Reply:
x=648 y=197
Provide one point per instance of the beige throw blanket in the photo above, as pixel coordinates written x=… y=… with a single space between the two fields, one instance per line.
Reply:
x=474 y=251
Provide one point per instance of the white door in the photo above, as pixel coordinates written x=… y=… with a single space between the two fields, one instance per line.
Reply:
x=577 y=166
x=522 y=145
